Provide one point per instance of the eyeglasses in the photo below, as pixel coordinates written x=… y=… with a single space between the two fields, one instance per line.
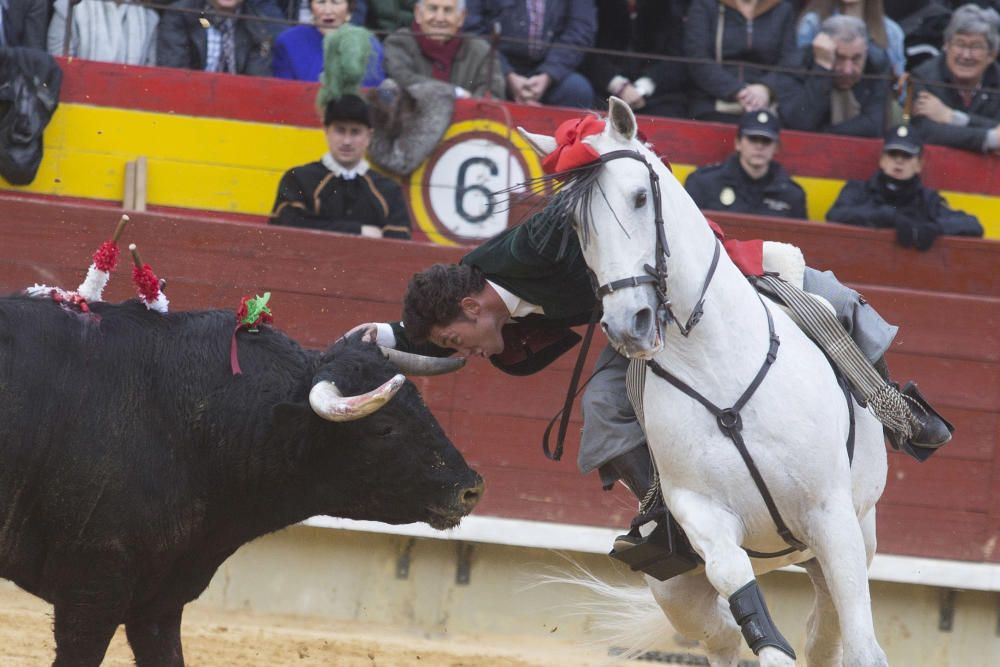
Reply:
x=975 y=48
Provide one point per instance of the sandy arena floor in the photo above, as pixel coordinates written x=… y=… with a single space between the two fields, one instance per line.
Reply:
x=232 y=639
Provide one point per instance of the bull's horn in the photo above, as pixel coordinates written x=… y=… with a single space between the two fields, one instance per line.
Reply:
x=419 y=364
x=327 y=401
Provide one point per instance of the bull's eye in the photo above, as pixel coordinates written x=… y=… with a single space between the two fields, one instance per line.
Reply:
x=384 y=431
x=640 y=200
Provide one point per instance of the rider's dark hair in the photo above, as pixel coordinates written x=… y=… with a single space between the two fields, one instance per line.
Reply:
x=434 y=297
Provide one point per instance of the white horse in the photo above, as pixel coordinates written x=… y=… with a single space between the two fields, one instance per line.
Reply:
x=795 y=425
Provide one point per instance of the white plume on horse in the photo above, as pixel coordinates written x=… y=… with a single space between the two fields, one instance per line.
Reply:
x=677 y=305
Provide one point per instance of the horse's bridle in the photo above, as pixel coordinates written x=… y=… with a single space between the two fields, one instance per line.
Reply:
x=657 y=275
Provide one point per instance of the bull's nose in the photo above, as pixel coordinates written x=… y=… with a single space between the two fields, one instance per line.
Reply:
x=470 y=495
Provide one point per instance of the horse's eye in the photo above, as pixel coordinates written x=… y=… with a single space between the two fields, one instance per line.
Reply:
x=640 y=200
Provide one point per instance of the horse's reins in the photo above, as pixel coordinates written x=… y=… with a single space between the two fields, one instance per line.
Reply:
x=728 y=419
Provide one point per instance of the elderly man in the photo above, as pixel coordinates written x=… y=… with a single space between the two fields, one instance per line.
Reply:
x=338 y=193
x=750 y=181
x=430 y=49
x=216 y=41
x=834 y=96
x=957 y=103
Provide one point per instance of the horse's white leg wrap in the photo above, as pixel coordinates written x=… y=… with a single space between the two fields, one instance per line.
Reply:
x=836 y=537
x=823 y=642
x=696 y=611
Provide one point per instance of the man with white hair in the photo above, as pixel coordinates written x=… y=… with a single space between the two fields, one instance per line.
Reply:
x=432 y=49
x=957 y=102
x=843 y=92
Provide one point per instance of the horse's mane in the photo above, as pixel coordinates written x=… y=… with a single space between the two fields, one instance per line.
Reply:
x=574 y=189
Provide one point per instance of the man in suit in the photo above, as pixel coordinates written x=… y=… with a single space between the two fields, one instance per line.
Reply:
x=217 y=41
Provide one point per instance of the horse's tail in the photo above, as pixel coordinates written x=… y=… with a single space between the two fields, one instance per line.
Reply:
x=624 y=619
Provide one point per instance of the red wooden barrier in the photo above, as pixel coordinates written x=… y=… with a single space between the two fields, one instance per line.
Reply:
x=947 y=302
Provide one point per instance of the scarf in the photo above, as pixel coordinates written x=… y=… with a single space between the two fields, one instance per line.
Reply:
x=441 y=54
x=115 y=33
x=895 y=191
x=843 y=106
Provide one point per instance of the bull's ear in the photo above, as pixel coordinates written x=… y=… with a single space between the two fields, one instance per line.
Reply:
x=622 y=120
x=542 y=143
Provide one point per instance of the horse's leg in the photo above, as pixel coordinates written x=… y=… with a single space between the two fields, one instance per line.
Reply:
x=823 y=646
x=696 y=611
x=716 y=534
x=838 y=541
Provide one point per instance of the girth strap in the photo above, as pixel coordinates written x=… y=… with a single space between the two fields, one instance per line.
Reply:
x=731 y=425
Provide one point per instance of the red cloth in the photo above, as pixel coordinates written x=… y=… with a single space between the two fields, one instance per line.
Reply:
x=570 y=150
x=441 y=54
x=747 y=255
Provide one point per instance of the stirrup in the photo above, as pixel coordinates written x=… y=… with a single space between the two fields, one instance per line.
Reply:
x=662 y=554
x=933 y=426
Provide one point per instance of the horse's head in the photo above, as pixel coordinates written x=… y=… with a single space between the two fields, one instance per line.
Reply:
x=630 y=213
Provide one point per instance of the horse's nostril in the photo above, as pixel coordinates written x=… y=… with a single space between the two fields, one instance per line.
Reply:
x=643 y=321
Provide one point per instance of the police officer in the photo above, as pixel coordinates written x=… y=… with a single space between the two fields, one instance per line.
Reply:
x=895 y=198
x=750 y=181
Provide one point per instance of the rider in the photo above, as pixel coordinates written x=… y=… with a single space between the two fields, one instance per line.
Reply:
x=514 y=298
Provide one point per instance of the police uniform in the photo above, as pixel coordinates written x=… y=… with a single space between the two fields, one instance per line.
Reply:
x=727 y=187
x=918 y=214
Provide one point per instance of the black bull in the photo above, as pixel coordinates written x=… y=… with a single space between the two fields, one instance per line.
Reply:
x=133 y=462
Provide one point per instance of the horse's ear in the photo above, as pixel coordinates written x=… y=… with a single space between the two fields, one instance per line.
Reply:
x=542 y=144
x=622 y=119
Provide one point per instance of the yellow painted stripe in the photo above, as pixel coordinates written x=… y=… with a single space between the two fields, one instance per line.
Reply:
x=228 y=165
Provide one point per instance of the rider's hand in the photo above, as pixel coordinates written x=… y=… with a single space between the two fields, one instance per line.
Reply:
x=370 y=329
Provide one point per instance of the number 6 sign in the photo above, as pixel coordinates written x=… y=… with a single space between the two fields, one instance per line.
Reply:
x=451 y=193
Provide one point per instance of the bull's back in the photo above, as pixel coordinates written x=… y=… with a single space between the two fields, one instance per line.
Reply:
x=110 y=421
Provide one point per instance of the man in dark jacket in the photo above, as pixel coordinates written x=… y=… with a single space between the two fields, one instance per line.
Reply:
x=846 y=102
x=655 y=87
x=24 y=23
x=339 y=193
x=895 y=198
x=750 y=181
x=537 y=67
x=958 y=101
x=218 y=41
x=750 y=37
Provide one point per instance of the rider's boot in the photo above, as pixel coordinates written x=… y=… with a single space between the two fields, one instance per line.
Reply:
x=929 y=430
x=665 y=551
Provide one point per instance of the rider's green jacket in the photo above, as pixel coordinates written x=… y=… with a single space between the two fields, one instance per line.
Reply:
x=540 y=262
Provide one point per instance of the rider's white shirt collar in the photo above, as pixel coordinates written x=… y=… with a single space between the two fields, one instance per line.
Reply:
x=360 y=169
x=517 y=306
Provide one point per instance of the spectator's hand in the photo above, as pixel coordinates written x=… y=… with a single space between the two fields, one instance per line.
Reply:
x=538 y=84
x=754 y=97
x=370 y=329
x=632 y=97
x=518 y=87
x=371 y=231
x=931 y=106
x=824 y=50
x=462 y=93
x=916 y=233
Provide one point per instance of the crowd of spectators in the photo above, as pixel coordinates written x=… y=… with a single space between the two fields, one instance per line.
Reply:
x=855 y=67
x=851 y=67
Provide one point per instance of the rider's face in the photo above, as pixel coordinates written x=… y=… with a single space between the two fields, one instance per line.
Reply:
x=475 y=333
